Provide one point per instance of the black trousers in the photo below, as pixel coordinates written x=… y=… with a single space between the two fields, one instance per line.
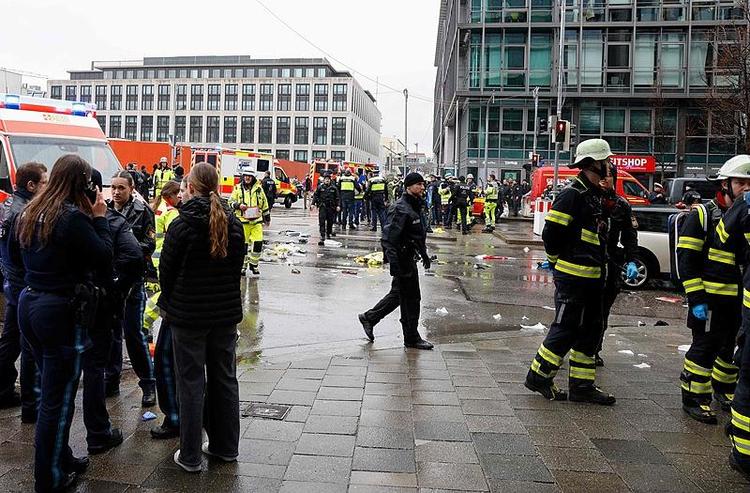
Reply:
x=166 y=385
x=739 y=430
x=405 y=294
x=326 y=219
x=95 y=415
x=462 y=214
x=612 y=288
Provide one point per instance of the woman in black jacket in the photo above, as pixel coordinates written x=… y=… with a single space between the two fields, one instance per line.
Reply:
x=199 y=271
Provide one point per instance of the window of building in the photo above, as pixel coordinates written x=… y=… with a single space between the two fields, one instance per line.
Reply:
x=70 y=93
x=115 y=101
x=301 y=130
x=196 y=128
x=131 y=127
x=540 y=59
x=338 y=155
x=147 y=128
x=212 y=129
x=230 y=100
x=196 y=101
x=590 y=120
x=179 y=128
x=592 y=58
x=131 y=97
x=300 y=156
x=320 y=131
x=266 y=97
x=85 y=94
x=102 y=121
x=230 y=130
x=163 y=101
x=319 y=154
x=147 y=97
x=115 y=127
x=55 y=92
x=214 y=98
x=248 y=97
x=338 y=131
x=100 y=97
x=339 y=97
x=614 y=121
x=283 y=129
x=180 y=101
x=640 y=121
x=162 y=129
x=282 y=154
x=265 y=129
x=321 y=97
x=302 y=100
x=512 y=119
x=284 y=102
x=247 y=130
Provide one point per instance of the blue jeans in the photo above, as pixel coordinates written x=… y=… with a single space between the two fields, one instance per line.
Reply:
x=135 y=341
x=378 y=214
x=347 y=212
x=358 y=205
x=166 y=384
x=57 y=343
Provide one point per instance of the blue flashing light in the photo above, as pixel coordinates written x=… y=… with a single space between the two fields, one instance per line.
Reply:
x=12 y=102
x=79 y=109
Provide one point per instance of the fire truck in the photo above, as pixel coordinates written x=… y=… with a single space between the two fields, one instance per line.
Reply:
x=318 y=166
x=42 y=130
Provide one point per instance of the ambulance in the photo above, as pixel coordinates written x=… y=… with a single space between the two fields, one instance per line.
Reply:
x=43 y=130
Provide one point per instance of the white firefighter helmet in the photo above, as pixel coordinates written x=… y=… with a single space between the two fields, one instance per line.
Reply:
x=737 y=167
x=596 y=149
x=469 y=176
x=163 y=160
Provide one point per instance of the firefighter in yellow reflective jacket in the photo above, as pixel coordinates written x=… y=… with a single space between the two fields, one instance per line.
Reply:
x=162 y=175
x=251 y=207
x=707 y=266
x=575 y=239
x=490 y=203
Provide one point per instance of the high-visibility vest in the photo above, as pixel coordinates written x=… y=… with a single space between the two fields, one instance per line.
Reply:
x=165 y=214
x=445 y=195
x=346 y=183
x=255 y=197
x=491 y=191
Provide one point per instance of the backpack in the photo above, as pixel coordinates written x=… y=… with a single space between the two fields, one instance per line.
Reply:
x=674 y=225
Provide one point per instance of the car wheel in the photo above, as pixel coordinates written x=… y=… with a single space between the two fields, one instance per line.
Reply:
x=288 y=201
x=643 y=275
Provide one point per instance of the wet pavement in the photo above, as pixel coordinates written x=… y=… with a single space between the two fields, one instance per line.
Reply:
x=375 y=417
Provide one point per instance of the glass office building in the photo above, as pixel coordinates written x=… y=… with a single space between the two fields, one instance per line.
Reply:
x=634 y=73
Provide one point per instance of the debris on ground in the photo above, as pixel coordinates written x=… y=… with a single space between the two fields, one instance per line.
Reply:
x=333 y=244
x=539 y=327
x=455 y=290
x=282 y=251
x=480 y=266
x=148 y=416
x=642 y=355
x=372 y=260
x=549 y=308
x=643 y=365
x=684 y=348
x=289 y=232
x=525 y=249
x=660 y=323
x=438 y=230
x=296 y=271
x=626 y=351
x=442 y=311
x=494 y=257
x=497 y=316
x=641 y=323
x=669 y=299
x=350 y=272
x=524 y=317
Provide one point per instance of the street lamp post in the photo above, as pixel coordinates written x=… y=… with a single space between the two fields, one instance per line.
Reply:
x=560 y=99
x=406 y=129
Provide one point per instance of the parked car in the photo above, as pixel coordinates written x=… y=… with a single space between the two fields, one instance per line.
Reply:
x=676 y=188
x=652 y=258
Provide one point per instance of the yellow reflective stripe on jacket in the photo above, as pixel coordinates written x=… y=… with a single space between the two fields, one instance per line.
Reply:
x=590 y=237
x=559 y=217
x=747 y=237
x=723 y=235
x=693 y=285
x=696 y=369
x=579 y=357
x=552 y=258
x=746 y=298
x=378 y=187
x=741 y=445
x=722 y=256
x=721 y=288
x=550 y=356
x=578 y=270
x=701 y=216
x=690 y=243
x=347 y=185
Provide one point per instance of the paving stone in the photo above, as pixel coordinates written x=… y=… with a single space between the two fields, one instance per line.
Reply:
x=387 y=389
x=680 y=443
x=467 y=477
x=328 y=445
x=454 y=452
x=367 y=488
x=305 y=374
x=574 y=459
x=656 y=422
x=515 y=467
x=706 y=470
x=255 y=388
x=503 y=443
x=537 y=417
x=486 y=407
x=385 y=460
x=310 y=487
x=507 y=486
x=441 y=431
x=312 y=364
x=494 y=394
x=318 y=469
x=377 y=437
x=386 y=368
x=343 y=381
x=348 y=361
x=425 y=374
x=336 y=408
x=298 y=384
x=438 y=413
x=265 y=451
x=266 y=429
x=349 y=371
x=619 y=430
x=495 y=424
x=92 y=485
x=434 y=398
x=428 y=385
x=249 y=469
x=472 y=381
x=629 y=451
x=291 y=397
x=245 y=483
x=386 y=403
x=392 y=479
x=298 y=414
x=567 y=438
x=386 y=419
x=399 y=378
x=653 y=477
x=107 y=470
x=341 y=393
x=575 y=481
x=530 y=401
x=272 y=376
x=336 y=425
x=177 y=480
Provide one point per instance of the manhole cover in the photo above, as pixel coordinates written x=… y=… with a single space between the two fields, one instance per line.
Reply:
x=267 y=411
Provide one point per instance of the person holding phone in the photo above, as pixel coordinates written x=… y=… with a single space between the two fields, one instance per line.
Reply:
x=64 y=237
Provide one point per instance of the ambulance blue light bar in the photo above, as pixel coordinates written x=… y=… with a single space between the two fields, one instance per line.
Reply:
x=46 y=105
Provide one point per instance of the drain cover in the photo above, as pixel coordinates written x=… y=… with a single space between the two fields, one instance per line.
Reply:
x=267 y=411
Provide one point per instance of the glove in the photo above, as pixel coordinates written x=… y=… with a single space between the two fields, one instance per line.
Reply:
x=546 y=265
x=700 y=311
x=747 y=198
x=426 y=262
x=631 y=271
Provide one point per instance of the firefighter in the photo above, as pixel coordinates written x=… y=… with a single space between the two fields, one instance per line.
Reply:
x=251 y=206
x=326 y=199
x=348 y=188
x=490 y=204
x=575 y=239
x=162 y=174
x=445 y=202
x=359 y=198
x=462 y=197
x=470 y=205
x=622 y=231
x=707 y=266
x=377 y=191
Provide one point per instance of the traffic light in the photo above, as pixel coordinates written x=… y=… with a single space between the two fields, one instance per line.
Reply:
x=543 y=126
x=562 y=134
x=535 y=160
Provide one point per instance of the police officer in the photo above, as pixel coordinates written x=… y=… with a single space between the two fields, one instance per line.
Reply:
x=403 y=239
x=396 y=187
x=490 y=204
x=462 y=197
x=359 y=198
x=269 y=187
x=31 y=179
x=348 y=188
x=140 y=217
x=622 y=231
x=64 y=237
x=707 y=266
x=377 y=193
x=470 y=205
x=326 y=199
x=575 y=239
x=251 y=206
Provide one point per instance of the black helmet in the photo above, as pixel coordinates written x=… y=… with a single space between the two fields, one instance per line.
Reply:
x=691 y=197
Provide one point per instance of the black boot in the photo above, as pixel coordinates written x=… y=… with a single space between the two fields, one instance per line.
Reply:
x=115 y=439
x=591 y=394
x=548 y=389
x=149 y=396
x=11 y=400
x=165 y=432
x=418 y=344
x=700 y=412
x=78 y=465
x=321 y=242
x=724 y=400
x=367 y=326
x=738 y=466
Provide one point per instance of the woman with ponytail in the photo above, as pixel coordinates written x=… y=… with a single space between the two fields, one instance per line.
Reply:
x=199 y=273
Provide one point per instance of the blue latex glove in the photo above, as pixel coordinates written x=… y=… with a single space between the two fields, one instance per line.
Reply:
x=700 y=311
x=546 y=265
x=631 y=271
x=747 y=198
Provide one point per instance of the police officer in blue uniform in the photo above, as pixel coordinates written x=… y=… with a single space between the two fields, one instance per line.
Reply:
x=64 y=238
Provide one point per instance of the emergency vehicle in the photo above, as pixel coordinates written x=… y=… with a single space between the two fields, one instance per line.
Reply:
x=318 y=166
x=43 y=130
